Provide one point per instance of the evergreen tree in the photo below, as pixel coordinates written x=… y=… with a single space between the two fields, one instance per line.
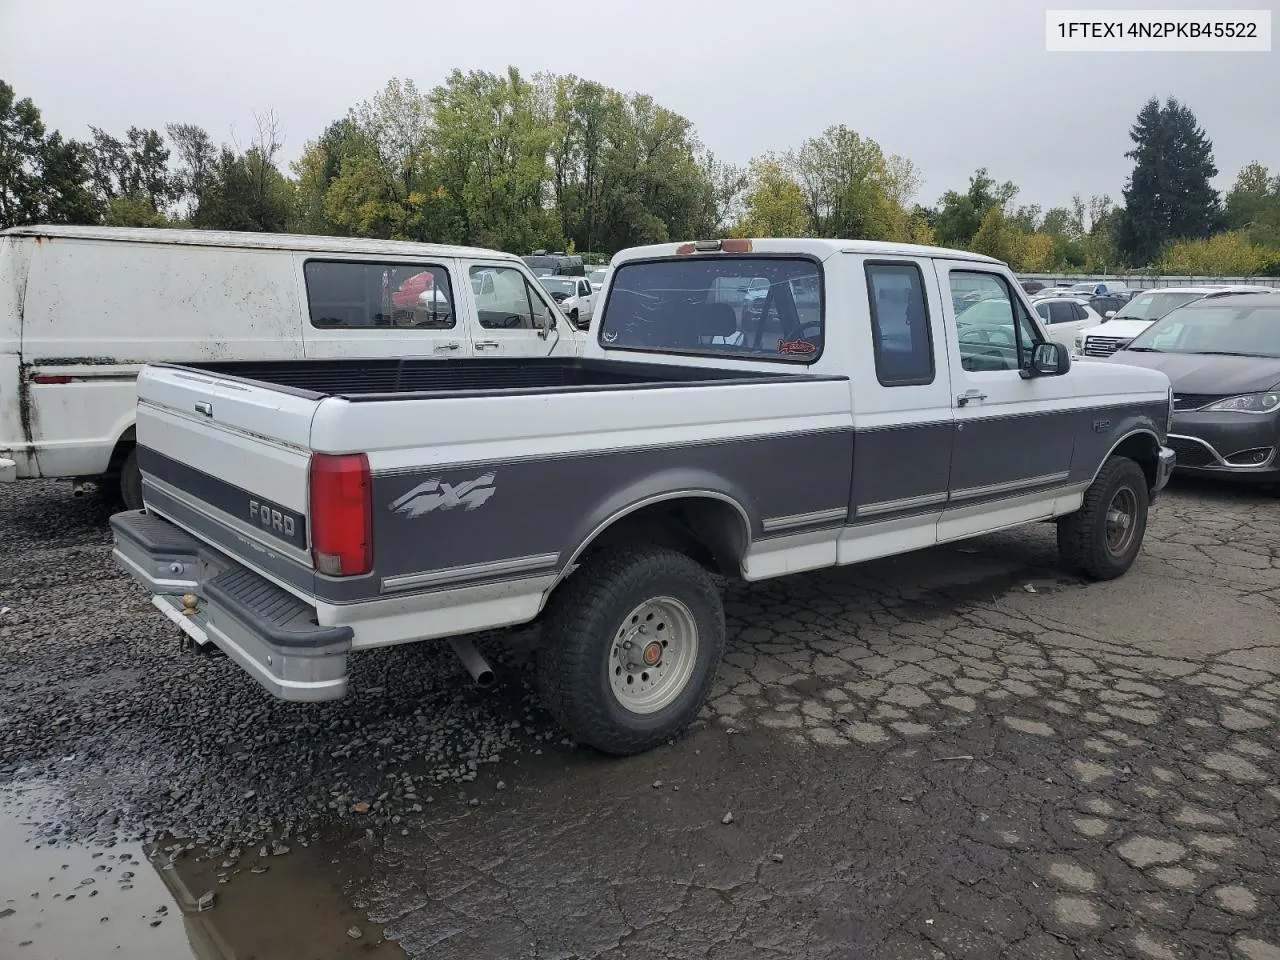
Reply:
x=1168 y=196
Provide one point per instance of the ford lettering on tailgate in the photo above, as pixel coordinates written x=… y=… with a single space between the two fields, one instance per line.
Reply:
x=168 y=477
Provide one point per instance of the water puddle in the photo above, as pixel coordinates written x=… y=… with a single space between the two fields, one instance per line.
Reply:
x=67 y=902
x=63 y=901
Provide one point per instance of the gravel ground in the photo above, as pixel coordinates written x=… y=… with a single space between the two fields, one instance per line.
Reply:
x=96 y=695
x=960 y=753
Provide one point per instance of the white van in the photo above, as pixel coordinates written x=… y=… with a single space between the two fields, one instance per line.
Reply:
x=83 y=308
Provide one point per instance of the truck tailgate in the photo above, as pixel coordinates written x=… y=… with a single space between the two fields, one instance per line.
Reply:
x=228 y=461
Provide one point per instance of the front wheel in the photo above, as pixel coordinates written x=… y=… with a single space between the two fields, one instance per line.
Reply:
x=1103 y=537
x=634 y=638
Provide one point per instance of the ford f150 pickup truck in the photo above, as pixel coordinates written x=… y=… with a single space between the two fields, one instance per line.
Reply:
x=297 y=512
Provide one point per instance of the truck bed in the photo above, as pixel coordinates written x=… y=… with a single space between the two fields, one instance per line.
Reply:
x=386 y=379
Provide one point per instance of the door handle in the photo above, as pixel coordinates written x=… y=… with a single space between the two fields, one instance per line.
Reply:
x=968 y=396
x=451 y=345
x=487 y=344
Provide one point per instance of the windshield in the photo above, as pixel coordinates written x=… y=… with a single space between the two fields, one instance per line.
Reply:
x=559 y=289
x=1153 y=306
x=754 y=308
x=1215 y=327
x=596 y=277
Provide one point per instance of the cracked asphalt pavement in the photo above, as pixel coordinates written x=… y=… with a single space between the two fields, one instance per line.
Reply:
x=959 y=753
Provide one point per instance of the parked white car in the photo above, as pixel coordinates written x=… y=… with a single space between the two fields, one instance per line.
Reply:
x=596 y=276
x=576 y=297
x=1146 y=308
x=1064 y=317
x=82 y=309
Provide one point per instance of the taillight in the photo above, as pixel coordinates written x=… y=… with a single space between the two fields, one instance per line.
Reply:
x=49 y=378
x=341 y=514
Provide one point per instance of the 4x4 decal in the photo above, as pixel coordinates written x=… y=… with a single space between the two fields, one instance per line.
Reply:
x=437 y=494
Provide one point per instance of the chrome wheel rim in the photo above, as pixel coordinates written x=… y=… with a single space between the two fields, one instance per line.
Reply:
x=1122 y=521
x=652 y=655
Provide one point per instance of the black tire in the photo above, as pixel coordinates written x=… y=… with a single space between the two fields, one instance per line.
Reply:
x=584 y=618
x=573 y=318
x=1083 y=542
x=131 y=482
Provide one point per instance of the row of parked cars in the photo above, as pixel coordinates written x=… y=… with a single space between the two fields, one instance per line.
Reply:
x=1218 y=344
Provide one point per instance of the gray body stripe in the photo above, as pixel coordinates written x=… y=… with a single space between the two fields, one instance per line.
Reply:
x=1009 y=486
x=543 y=511
x=906 y=503
x=451 y=576
x=775 y=524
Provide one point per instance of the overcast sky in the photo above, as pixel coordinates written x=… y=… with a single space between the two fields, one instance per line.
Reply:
x=951 y=84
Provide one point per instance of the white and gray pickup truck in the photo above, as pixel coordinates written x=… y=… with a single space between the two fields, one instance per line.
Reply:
x=297 y=512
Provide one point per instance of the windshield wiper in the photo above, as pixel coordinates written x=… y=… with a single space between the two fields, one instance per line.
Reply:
x=1235 y=353
x=1144 y=350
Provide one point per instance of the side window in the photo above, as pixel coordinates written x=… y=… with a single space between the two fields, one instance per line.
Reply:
x=1080 y=312
x=359 y=295
x=1043 y=310
x=584 y=288
x=505 y=301
x=899 y=324
x=995 y=332
x=1062 y=312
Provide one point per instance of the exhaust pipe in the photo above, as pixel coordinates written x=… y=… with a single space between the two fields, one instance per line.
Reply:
x=476 y=665
x=77 y=488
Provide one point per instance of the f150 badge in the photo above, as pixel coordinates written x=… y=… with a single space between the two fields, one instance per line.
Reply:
x=436 y=494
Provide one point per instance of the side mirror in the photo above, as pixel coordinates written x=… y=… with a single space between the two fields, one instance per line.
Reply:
x=1051 y=359
x=1108 y=315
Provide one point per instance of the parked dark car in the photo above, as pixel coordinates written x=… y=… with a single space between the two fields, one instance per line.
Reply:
x=1032 y=286
x=545 y=264
x=1222 y=354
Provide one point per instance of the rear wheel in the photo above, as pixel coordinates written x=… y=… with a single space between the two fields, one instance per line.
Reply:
x=1103 y=537
x=634 y=638
x=131 y=482
x=573 y=317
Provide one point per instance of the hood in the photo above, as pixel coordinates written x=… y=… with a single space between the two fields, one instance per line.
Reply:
x=1207 y=374
x=1122 y=329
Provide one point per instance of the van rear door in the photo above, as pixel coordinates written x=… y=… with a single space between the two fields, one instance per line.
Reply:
x=13 y=269
x=381 y=307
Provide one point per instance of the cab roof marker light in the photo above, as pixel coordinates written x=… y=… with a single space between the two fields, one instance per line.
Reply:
x=702 y=246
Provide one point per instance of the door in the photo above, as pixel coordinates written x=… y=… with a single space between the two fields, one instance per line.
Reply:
x=901 y=398
x=1014 y=437
x=510 y=313
x=586 y=303
x=381 y=308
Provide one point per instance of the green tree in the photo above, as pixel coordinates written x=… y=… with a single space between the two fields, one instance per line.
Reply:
x=137 y=166
x=197 y=158
x=1253 y=205
x=21 y=142
x=995 y=238
x=851 y=188
x=1169 y=195
x=960 y=215
x=775 y=204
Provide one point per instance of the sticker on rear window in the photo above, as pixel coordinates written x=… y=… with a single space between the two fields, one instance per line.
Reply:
x=790 y=347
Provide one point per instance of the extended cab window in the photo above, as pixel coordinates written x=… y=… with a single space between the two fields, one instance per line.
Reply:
x=362 y=294
x=994 y=330
x=506 y=301
x=899 y=324
x=752 y=307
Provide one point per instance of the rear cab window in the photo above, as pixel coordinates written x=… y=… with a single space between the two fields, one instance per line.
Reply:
x=899 y=324
x=748 y=307
x=365 y=294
